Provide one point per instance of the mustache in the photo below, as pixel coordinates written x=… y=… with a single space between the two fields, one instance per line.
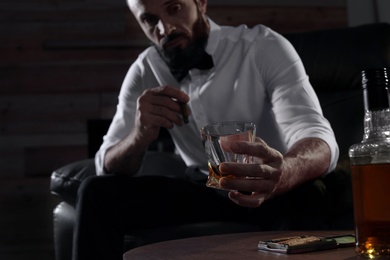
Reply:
x=167 y=39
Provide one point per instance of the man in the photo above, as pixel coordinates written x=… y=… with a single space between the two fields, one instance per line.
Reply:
x=220 y=74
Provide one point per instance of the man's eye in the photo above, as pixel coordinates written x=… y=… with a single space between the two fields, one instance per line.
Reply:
x=173 y=9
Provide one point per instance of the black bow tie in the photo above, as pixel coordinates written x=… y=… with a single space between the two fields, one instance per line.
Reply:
x=202 y=62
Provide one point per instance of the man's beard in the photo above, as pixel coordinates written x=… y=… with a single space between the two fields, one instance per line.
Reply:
x=185 y=58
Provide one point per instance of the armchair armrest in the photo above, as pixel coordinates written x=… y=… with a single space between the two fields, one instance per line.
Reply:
x=66 y=180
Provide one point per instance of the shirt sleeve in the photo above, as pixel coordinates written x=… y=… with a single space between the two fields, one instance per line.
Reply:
x=295 y=104
x=123 y=120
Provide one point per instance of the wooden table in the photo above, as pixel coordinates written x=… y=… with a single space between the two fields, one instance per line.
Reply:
x=235 y=246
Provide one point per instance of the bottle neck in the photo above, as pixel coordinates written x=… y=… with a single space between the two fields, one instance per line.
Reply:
x=377 y=125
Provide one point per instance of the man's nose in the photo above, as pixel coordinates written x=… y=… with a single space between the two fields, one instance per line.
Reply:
x=165 y=27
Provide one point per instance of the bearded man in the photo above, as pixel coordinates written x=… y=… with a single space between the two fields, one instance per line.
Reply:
x=218 y=73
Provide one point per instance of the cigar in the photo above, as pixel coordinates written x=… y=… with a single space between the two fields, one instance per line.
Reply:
x=183 y=109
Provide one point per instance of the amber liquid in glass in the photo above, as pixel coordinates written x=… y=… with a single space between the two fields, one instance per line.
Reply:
x=371 y=191
x=214 y=176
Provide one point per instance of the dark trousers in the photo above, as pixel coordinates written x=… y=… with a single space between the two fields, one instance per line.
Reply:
x=109 y=207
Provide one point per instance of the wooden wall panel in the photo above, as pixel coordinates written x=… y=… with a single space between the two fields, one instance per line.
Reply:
x=17 y=158
x=39 y=159
x=62 y=62
x=46 y=114
x=283 y=19
x=108 y=104
x=11 y=160
x=83 y=77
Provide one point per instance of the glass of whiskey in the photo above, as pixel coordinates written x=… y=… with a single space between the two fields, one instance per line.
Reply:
x=216 y=140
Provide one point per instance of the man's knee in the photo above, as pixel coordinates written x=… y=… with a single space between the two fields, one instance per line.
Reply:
x=97 y=188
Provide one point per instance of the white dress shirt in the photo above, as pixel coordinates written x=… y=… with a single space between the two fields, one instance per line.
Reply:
x=257 y=77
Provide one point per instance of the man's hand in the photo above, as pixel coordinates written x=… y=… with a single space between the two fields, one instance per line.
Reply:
x=159 y=107
x=258 y=178
x=156 y=107
x=271 y=173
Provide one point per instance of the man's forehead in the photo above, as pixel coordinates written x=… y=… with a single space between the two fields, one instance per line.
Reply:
x=142 y=4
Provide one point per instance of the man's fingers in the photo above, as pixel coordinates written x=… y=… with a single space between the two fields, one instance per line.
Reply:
x=262 y=171
x=171 y=92
x=161 y=106
x=258 y=149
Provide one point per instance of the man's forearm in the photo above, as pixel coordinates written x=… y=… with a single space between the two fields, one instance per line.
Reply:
x=307 y=160
x=125 y=157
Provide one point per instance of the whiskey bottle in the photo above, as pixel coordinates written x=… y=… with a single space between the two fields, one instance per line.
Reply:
x=370 y=169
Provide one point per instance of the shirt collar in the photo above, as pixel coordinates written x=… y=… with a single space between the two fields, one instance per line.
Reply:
x=214 y=36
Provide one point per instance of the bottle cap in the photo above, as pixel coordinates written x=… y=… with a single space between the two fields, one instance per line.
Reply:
x=375 y=85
